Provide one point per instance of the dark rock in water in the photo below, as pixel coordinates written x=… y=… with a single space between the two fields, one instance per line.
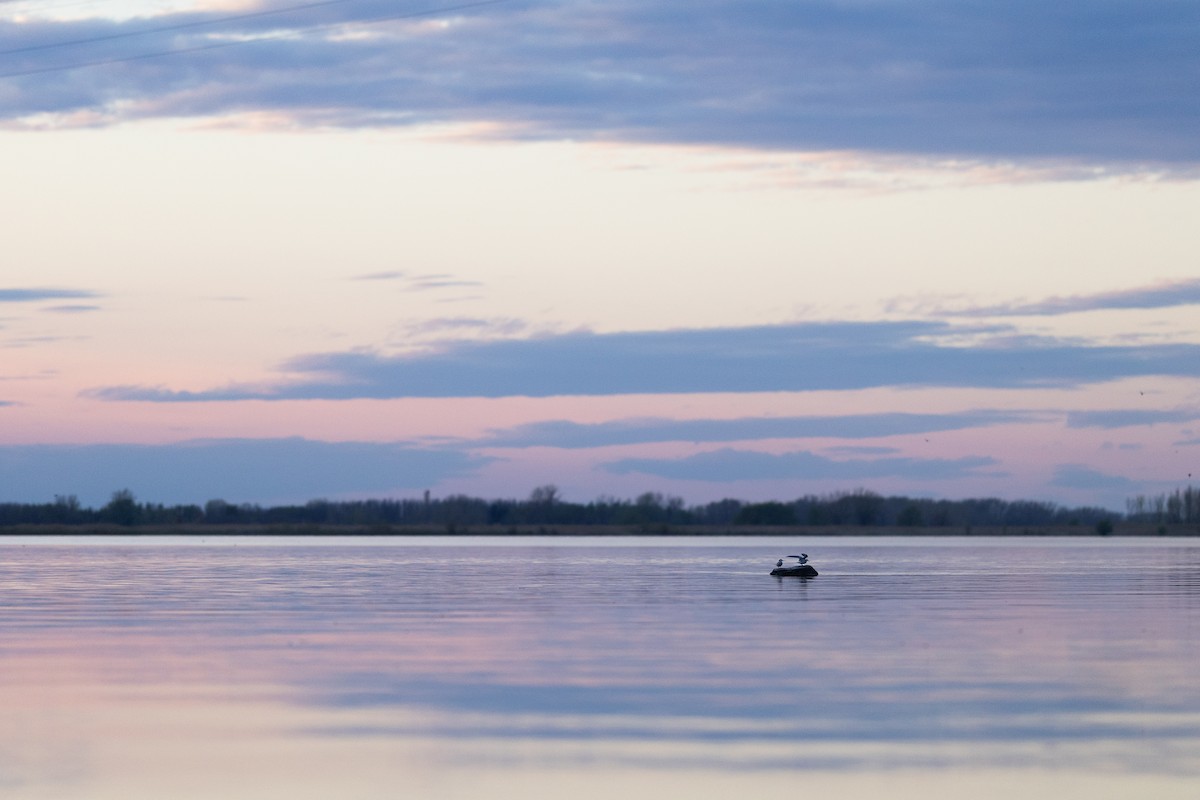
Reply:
x=800 y=571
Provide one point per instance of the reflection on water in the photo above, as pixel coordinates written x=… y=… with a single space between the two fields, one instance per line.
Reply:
x=317 y=668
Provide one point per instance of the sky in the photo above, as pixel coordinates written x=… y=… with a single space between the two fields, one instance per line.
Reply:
x=271 y=251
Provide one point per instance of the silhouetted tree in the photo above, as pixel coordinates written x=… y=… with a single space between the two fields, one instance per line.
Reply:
x=122 y=509
x=770 y=513
x=909 y=516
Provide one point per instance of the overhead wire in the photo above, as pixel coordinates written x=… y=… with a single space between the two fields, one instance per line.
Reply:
x=224 y=44
x=179 y=26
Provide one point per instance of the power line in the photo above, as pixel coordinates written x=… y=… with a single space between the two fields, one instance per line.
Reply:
x=266 y=37
x=169 y=28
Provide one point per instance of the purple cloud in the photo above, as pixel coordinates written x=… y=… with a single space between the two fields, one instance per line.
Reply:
x=566 y=434
x=238 y=470
x=1077 y=476
x=1124 y=418
x=1167 y=295
x=798 y=357
x=33 y=295
x=1075 y=80
x=730 y=466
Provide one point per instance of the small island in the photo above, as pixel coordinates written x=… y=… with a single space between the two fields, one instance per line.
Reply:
x=798 y=569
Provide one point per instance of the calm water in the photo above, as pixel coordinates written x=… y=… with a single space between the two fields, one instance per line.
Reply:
x=463 y=669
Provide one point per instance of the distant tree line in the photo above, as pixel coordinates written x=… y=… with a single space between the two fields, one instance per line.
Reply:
x=545 y=506
x=869 y=508
x=1181 y=505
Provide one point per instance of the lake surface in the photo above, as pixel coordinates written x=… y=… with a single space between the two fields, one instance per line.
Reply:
x=443 y=668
